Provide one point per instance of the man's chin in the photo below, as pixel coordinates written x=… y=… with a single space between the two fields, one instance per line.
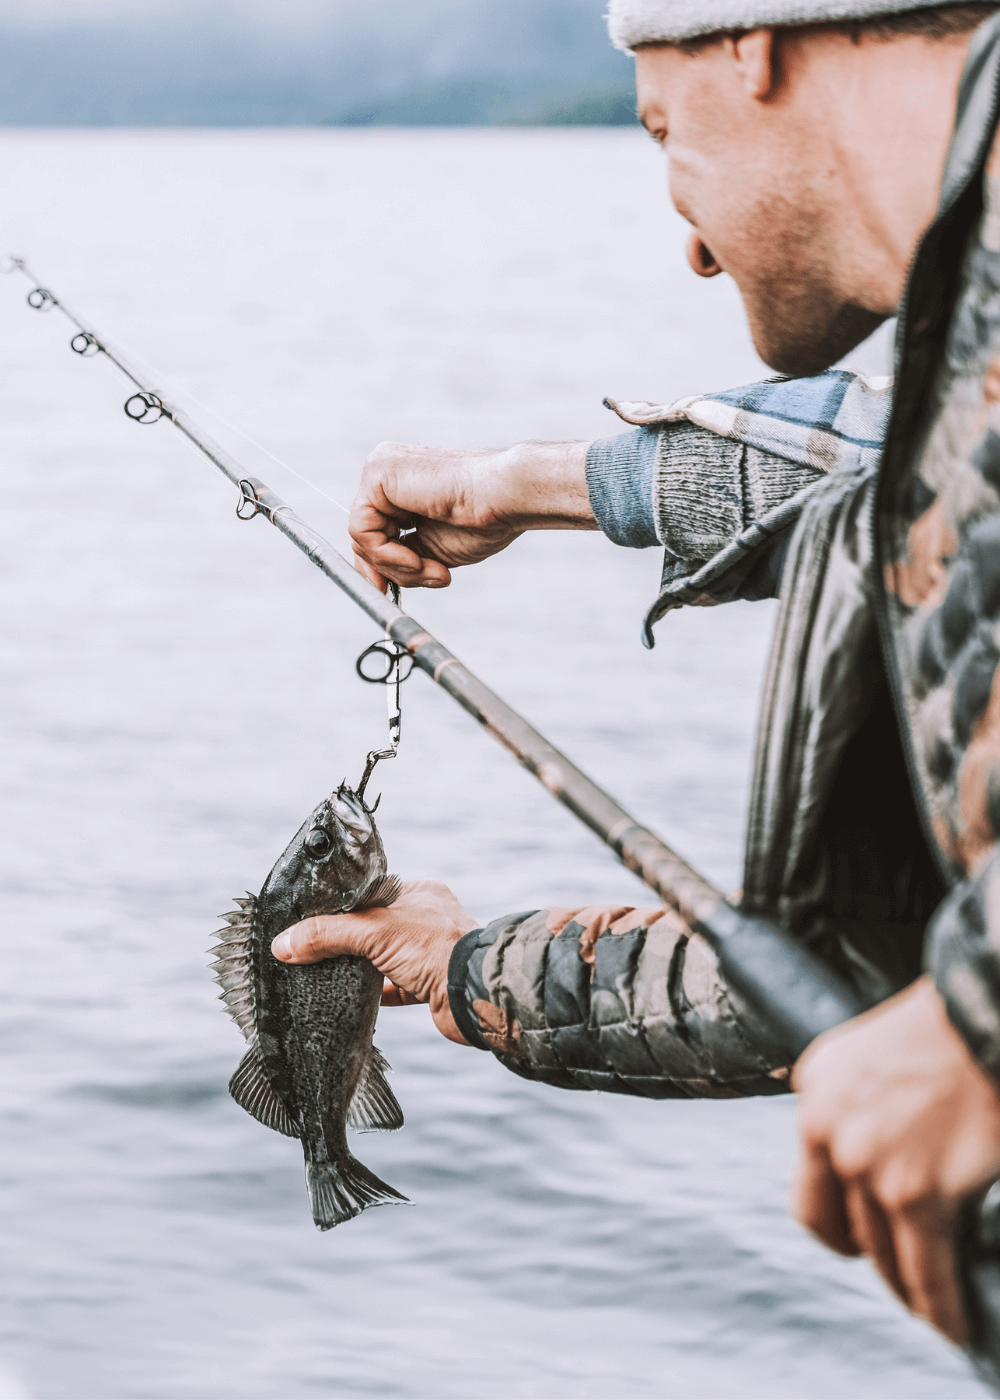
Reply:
x=803 y=344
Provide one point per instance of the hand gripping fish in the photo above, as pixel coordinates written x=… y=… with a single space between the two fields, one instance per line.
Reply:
x=310 y=1066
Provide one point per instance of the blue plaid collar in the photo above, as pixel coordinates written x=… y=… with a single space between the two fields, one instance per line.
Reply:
x=830 y=421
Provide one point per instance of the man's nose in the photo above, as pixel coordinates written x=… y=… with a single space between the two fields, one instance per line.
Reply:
x=701 y=257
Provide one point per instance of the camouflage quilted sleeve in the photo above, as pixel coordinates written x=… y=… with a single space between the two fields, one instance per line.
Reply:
x=609 y=997
x=963 y=952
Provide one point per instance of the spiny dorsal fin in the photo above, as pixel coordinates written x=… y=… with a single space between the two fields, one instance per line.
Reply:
x=250 y=1088
x=233 y=965
x=374 y=1107
x=380 y=893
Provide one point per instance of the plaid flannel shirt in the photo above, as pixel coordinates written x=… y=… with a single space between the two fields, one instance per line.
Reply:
x=720 y=479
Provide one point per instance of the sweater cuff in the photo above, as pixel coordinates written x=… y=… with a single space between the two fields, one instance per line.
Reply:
x=620 y=486
x=458 y=972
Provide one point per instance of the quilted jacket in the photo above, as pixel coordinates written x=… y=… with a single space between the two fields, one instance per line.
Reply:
x=875 y=808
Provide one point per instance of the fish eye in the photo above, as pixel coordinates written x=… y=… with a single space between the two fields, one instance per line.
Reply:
x=318 y=842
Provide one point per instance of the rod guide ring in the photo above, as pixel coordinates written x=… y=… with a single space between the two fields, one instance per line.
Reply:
x=248 y=497
x=393 y=666
x=41 y=299
x=85 y=344
x=142 y=407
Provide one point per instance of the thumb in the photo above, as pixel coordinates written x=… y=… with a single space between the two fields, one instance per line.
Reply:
x=323 y=936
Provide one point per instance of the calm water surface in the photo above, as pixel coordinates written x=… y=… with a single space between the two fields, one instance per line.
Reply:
x=179 y=692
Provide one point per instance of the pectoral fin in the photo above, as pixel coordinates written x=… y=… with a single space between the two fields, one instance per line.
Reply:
x=374 y=1107
x=380 y=893
x=250 y=1088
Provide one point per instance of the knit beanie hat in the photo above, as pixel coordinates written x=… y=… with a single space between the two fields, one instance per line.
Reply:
x=634 y=22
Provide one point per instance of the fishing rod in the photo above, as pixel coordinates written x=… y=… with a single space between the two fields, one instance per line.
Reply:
x=796 y=993
x=793 y=988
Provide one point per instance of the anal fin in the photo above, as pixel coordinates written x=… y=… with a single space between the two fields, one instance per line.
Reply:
x=250 y=1088
x=374 y=1107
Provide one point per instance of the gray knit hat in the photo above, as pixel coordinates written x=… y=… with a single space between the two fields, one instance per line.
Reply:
x=633 y=22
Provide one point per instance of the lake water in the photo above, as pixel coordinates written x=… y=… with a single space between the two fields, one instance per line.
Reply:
x=179 y=691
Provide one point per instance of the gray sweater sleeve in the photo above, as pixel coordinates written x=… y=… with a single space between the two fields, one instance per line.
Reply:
x=686 y=488
x=620 y=486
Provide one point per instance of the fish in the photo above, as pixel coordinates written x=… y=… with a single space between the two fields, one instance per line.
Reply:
x=311 y=1068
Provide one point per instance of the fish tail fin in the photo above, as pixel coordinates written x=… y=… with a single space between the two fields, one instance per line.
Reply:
x=339 y=1191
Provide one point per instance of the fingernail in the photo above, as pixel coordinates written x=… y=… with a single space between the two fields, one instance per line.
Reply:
x=281 y=947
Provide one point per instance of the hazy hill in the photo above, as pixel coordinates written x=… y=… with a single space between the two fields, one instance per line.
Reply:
x=292 y=62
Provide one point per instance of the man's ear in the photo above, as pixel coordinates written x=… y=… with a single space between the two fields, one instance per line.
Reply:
x=755 y=54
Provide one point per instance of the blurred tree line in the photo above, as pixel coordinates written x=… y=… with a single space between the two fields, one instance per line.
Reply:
x=297 y=62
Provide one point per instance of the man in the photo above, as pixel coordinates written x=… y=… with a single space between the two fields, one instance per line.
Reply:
x=811 y=147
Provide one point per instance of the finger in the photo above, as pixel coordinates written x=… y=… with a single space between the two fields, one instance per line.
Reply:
x=374 y=530
x=873 y=1236
x=371 y=528
x=402 y=566
x=372 y=575
x=378 y=547
x=327 y=936
x=374 y=526
x=818 y=1200
x=405 y=566
x=395 y=996
x=925 y=1253
x=391 y=995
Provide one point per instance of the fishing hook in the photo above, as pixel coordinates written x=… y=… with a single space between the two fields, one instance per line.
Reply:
x=373 y=758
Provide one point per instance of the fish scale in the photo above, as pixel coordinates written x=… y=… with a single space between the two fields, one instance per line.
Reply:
x=311 y=1068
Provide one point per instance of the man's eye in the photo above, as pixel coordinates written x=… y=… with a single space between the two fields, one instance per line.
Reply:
x=318 y=842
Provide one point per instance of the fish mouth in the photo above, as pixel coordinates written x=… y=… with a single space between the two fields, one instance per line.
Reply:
x=349 y=812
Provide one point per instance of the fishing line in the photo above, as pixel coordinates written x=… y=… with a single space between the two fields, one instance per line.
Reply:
x=786 y=982
x=798 y=996
x=240 y=432
x=41 y=299
x=147 y=406
x=682 y=887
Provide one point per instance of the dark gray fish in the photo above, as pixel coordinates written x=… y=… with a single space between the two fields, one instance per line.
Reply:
x=310 y=1067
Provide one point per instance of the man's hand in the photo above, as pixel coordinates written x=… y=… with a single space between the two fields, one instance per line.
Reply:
x=410 y=943
x=464 y=504
x=900 y=1126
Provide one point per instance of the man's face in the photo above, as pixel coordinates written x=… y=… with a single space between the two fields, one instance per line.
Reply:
x=762 y=186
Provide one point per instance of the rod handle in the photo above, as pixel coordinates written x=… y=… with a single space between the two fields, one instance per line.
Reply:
x=781 y=979
x=801 y=997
